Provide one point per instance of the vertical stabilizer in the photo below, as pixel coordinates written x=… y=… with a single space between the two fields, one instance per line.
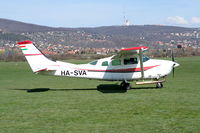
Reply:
x=35 y=58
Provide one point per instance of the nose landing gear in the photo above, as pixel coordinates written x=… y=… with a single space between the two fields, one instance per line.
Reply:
x=159 y=85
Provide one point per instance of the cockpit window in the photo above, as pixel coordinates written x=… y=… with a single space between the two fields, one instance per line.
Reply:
x=145 y=58
x=130 y=61
x=93 y=62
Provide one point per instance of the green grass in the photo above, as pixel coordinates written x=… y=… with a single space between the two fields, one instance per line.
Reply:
x=77 y=105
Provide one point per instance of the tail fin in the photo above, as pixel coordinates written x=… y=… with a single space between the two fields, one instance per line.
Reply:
x=35 y=58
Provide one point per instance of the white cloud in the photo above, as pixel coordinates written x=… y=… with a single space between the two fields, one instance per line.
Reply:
x=195 y=20
x=177 y=20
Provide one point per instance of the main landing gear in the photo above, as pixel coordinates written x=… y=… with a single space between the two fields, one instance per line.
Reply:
x=125 y=85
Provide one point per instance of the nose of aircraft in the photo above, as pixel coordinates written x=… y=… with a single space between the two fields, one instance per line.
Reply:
x=175 y=64
x=173 y=67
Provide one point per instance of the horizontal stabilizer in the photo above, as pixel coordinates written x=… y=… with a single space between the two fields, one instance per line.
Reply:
x=45 y=69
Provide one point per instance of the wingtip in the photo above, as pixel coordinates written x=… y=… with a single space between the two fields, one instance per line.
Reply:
x=25 y=42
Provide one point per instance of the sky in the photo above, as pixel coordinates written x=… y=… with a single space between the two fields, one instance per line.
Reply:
x=94 y=13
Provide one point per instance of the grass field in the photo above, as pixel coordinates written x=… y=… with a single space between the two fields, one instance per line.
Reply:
x=41 y=104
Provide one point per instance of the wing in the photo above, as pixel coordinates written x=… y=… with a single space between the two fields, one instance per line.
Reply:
x=128 y=52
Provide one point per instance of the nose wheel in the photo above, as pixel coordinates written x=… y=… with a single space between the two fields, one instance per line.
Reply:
x=159 y=85
x=125 y=85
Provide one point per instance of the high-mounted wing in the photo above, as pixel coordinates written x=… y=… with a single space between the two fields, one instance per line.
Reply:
x=136 y=48
x=129 y=52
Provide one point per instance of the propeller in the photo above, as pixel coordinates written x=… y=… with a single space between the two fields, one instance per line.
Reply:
x=173 y=70
x=173 y=56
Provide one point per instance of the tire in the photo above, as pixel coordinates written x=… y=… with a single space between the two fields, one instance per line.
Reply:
x=159 y=85
x=125 y=86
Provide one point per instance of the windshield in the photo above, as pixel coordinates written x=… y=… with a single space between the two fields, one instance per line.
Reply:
x=130 y=61
x=145 y=58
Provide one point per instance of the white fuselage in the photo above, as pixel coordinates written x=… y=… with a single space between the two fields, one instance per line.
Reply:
x=153 y=69
x=128 y=64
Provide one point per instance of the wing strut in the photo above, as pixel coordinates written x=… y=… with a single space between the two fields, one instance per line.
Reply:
x=141 y=64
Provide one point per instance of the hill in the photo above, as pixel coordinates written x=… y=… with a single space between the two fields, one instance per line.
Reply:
x=21 y=27
x=136 y=29
x=18 y=27
x=106 y=36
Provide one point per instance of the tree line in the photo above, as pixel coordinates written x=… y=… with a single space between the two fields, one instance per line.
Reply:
x=12 y=55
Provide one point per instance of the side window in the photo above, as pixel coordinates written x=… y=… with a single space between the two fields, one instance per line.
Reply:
x=130 y=61
x=93 y=62
x=105 y=63
x=116 y=62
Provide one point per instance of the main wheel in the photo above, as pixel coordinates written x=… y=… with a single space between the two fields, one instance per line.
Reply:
x=159 y=85
x=125 y=85
x=122 y=84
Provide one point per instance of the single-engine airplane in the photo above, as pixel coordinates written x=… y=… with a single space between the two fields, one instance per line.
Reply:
x=128 y=65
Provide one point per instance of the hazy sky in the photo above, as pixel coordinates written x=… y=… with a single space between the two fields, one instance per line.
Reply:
x=92 y=13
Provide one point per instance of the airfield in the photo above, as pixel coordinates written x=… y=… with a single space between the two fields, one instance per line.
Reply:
x=32 y=103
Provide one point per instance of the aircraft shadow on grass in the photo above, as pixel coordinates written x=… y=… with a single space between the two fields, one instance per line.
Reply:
x=103 y=88
x=114 y=88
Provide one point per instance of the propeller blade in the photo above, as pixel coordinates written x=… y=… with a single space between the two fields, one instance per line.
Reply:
x=173 y=56
x=173 y=59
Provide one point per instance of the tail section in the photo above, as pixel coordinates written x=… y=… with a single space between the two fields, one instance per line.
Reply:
x=35 y=58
